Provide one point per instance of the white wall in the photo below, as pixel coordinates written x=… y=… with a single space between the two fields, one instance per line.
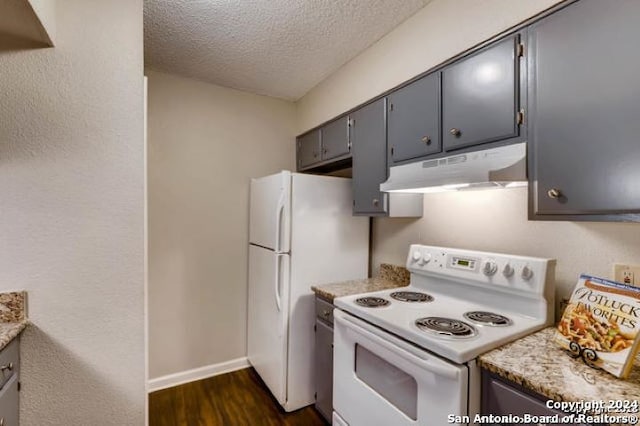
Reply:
x=71 y=214
x=489 y=220
x=205 y=143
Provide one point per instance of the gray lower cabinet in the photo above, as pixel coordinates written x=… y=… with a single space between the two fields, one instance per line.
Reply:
x=324 y=358
x=584 y=96
x=369 y=140
x=336 y=139
x=9 y=384
x=501 y=397
x=308 y=149
x=414 y=120
x=480 y=96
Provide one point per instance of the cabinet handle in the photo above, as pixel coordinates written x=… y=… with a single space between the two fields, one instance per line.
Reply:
x=426 y=140
x=376 y=202
x=324 y=151
x=554 y=193
x=455 y=132
x=326 y=314
x=5 y=368
x=315 y=155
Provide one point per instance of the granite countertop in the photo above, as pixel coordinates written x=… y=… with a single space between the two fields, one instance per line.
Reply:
x=390 y=276
x=13 y=316
x=537 y=363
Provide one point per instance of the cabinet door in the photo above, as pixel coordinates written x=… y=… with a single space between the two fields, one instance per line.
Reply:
x=414 y=120
x=480 y=97
x=324 y=369
x=501 y=399
x=369 y=158
x=9 y=403
x=308 y=149
x=584 y=109
x=335 y=139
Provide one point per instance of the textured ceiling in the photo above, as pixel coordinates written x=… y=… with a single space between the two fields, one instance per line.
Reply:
x=279 y=48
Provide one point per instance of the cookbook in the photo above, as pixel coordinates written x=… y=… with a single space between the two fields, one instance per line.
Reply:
x=601 y=324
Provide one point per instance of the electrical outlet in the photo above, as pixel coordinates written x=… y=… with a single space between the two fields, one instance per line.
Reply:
x=628 y=274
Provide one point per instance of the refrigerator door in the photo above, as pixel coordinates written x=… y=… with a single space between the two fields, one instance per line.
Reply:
x=270 y=207
x=268 y=304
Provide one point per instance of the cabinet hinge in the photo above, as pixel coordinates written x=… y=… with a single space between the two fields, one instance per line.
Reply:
x=390 y=106
x=315 y=328
x=392 y=151
x=315 y=396
x=520 y=50
x=19 y=386
x=520 y=117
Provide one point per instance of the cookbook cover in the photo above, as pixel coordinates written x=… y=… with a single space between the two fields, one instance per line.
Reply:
x=601 y=324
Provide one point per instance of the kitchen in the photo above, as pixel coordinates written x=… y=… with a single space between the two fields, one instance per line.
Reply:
x=74 y=210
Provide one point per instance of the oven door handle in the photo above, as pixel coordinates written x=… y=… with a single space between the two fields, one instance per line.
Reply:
x=351 y=325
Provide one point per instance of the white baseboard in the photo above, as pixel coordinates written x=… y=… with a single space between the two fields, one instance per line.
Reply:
x=200 y=373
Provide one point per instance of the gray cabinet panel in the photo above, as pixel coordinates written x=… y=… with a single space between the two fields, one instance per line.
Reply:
x=308 y=149
x=414 y=120
x=335 y=139
x=324 y=369
x=501 y=398
x=584 y=109
x=480 y=96
x=9 y=402
x=369 y=158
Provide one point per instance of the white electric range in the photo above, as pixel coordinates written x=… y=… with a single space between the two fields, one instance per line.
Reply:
x=407 y=356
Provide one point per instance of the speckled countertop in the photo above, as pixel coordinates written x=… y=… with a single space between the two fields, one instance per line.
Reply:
x=390 y=276
x=13 y=316
x=537 y=363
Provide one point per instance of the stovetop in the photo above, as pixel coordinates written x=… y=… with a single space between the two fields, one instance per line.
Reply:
x=448 y=320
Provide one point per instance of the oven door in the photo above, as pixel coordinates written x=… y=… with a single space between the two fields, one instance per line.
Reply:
x=379 y=379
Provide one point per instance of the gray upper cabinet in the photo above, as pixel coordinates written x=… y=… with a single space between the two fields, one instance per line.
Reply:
x=414 y=120
x=336 y=139
x=480 y=96
x=584 y=96
x=369 y=159
x=308 y=149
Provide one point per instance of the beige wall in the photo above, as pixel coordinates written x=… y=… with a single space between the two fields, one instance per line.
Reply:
x=72 y=214
x=439 y=31
x=205 y=143
x=489 y=220
x=496 y=220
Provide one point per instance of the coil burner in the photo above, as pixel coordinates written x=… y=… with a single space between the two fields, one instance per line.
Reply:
x=411 y=296
x=446 y=327
x=372 y=302
x=488 y=318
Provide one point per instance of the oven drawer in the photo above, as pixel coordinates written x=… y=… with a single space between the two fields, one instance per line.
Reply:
x=9 y=362
x=324 y=310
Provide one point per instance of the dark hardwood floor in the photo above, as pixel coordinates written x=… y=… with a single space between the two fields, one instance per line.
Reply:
x=237 y=398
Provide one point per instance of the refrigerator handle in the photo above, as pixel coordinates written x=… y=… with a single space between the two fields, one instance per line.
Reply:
x=277 y=283
x=279 y=213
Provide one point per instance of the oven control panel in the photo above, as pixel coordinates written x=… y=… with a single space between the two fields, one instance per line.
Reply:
x=521 y=273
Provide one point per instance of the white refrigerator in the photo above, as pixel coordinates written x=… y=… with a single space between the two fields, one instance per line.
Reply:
x=301 y=233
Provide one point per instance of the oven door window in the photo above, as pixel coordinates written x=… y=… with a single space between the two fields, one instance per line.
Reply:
x=393 y=384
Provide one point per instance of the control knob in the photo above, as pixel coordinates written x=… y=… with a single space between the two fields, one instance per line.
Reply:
x=415 y=256
x=508 y=270
x=426 y=258
x=490 y=268
x=527 y=273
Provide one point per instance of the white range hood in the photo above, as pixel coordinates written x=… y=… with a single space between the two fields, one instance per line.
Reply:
x=502 y=167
